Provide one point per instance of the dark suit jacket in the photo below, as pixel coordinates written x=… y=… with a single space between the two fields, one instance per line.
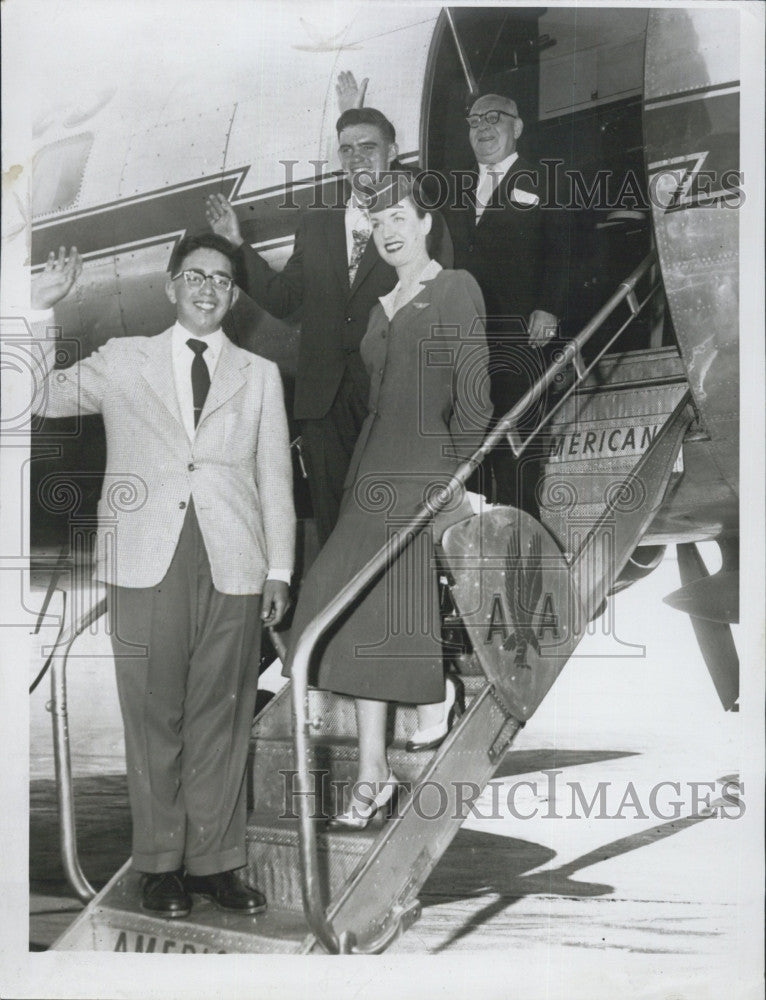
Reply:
x=518 y=254
x=333 y=315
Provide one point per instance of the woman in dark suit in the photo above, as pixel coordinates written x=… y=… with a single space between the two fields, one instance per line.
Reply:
x=426 y=353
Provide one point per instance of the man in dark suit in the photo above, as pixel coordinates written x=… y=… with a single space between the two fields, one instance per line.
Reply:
x=192 y=564
x=334 y=277
x=512 y=239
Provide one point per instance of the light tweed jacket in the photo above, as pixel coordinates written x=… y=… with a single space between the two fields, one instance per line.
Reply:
x=237 y=469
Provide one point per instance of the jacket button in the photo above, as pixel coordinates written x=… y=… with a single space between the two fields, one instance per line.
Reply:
x=182 y=505
x=190 y=466
x=348 y=319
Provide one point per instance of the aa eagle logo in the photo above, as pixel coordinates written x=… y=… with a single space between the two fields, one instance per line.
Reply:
x=523 y=589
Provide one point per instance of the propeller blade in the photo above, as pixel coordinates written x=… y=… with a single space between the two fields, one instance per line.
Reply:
x=714 y=598
x=720 y=655
x=713 y=635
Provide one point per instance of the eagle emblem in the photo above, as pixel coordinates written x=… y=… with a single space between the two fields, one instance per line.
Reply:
x=523 y=589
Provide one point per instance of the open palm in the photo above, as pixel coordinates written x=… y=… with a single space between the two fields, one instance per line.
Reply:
x=51 y=284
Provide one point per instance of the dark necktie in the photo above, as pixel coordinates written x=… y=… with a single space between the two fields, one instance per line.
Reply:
x=200 y=376
x=361 y=238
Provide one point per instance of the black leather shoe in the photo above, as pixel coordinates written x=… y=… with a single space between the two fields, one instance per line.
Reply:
x=226 y=891
x=164 y=894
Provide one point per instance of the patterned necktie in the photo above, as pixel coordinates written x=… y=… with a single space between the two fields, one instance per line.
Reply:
x=200 y=376
x=361 y=238
x=484 y=191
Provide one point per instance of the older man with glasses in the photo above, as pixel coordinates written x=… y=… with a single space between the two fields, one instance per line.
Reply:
x=509 y=234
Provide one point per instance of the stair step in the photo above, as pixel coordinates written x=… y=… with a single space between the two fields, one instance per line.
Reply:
x=331 y=761
x=273 y=857
x=334 y=714
x=115 y=922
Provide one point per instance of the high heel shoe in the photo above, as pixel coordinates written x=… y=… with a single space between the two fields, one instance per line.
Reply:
x=454 y=706
x=358 y=817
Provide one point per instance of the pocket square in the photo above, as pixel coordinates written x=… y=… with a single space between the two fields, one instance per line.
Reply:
x=421 y=305
x=524 y=197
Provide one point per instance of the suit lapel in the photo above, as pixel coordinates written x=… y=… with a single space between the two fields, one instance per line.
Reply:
x=336 y=244
x=370 y=258
x=338 y=252
x=501 y=196
x=157 y=371
x=498 y=198
x=227 y=380
x=504 y=190
x=470 y=194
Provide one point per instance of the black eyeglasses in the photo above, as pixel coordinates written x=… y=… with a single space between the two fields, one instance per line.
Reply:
x=196 y=279
x=490 y=117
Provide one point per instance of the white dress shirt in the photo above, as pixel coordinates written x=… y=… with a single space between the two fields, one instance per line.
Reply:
x=183 y=356
x=490 y=175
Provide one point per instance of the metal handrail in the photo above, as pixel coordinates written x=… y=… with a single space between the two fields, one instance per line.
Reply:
x=321 y=927
x=572 y=352
x=465 y=65
x=57 y=662
x=62 y=759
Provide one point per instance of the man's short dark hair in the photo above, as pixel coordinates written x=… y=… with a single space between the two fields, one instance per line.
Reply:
x=367 y=116
x=202 y=241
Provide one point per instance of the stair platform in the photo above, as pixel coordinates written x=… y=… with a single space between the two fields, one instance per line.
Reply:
x=115 y=922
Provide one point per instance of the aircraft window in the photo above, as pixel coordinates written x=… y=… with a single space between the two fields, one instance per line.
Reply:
x=58 y=172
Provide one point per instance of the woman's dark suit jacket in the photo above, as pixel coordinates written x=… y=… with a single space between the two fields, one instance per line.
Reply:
x=428 y=410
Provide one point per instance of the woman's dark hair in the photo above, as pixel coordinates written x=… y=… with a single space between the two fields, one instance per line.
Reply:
x=394 y=187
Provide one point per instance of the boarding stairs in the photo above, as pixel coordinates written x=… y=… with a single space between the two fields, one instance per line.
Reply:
x=525 y=592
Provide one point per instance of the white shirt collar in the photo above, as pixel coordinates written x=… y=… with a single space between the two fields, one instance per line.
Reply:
x=500 y=168
x=183 y=358
x=214 y=340
x=430 y=271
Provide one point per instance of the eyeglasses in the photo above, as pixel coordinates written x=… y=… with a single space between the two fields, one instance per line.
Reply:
x=196 y=279
x=490 y=117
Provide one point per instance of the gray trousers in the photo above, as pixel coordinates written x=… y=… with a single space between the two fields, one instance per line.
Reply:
x=187 y=674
